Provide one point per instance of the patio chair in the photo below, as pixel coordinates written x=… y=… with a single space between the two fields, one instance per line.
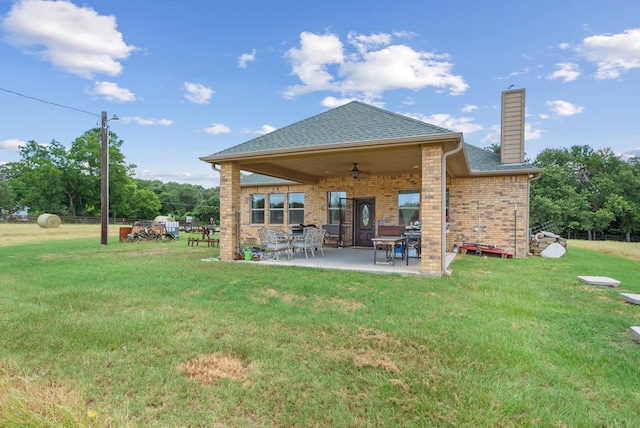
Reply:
x=318 y=240
x=272 y=243
x=305 y=241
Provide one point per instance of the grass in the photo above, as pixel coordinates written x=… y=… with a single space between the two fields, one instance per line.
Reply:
x=148 y=334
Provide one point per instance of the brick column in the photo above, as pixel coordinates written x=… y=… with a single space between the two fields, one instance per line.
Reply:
x=431 y=210
x=229 y=205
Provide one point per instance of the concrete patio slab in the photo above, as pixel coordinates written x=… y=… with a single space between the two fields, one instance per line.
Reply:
x=354 y=259
x=636 y=332
x=631 y=298
x=599 y=280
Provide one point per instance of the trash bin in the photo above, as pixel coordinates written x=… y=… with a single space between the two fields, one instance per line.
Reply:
x=124 y=232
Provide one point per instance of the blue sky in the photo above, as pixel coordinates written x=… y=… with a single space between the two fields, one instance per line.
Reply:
x=188 y=79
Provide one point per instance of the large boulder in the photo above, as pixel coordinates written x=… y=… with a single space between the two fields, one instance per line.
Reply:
x=553 y=251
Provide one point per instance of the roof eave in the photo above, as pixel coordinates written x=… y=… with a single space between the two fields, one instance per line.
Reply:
x=493 y=173
x=333 y=147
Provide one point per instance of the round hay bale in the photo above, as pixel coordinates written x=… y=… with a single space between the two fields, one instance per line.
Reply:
x=49 y=221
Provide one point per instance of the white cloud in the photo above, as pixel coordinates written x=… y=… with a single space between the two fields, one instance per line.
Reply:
x=469 y=108
x=366 y=43
x=72 y=38
x=332 y=102
x=198 y=93
x=493 y=137
x=632 y=153
x=563 y=108
x=525 y=70
x=112 y=92
x=531 y=133
x=217 y=128
x=146 y=122
x=311 y=61
x=246 y=58
x=564 y=46
x=613 y=54
x=264 y=130
x=456 y=124
x=567 y=71
x=12 y=144
x=322 y=63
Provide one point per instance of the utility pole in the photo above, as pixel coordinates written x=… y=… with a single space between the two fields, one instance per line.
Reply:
x=104 y=180
x=104 y=183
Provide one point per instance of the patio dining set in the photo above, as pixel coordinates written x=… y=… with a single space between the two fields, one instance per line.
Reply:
x=276 y=242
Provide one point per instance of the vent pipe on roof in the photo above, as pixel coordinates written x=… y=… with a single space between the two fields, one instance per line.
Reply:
x=512 y=127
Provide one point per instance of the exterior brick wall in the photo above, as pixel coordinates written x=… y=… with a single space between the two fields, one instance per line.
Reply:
x=497 y=206
x=383 y=188
x=495 y=196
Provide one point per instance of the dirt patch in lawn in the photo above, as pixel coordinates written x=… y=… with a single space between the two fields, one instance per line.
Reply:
x=207 y=369
x=30 y=400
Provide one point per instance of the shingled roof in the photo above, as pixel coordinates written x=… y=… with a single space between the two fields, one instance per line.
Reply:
x=482 y=160
x=352 y=122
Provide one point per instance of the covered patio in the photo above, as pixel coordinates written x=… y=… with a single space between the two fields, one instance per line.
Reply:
x=360 y=167
x=354 y=259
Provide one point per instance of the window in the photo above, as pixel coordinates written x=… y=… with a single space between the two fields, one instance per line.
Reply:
x=276 y=208
x=296 y=208
x=257 y=208
x=336 y=207
x=408 y=206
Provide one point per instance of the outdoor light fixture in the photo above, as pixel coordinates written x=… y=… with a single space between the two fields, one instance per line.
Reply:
x=104 y=180
x=355 y=172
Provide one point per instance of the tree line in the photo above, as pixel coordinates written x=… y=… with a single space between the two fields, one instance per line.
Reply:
x=587 y=191
x=53 y=179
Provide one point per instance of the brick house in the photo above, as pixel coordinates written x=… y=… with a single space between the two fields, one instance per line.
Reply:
x=362 y=167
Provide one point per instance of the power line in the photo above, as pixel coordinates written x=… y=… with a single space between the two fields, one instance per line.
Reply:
x=49 y=102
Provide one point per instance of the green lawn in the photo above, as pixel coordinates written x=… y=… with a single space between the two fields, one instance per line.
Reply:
x=148 y=334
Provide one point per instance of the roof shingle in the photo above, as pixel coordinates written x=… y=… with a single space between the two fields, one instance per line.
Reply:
x=352 y=122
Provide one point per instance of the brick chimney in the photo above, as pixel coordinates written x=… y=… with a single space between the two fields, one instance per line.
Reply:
x=512 y=127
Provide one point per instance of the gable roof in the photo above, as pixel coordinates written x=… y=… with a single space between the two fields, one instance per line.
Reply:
x=352 y=122
x=329 y=144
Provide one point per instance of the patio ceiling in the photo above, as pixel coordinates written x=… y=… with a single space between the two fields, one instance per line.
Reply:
x=312 y=166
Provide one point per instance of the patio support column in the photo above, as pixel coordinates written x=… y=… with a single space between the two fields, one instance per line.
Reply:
x=431 y=210
x=229 y=205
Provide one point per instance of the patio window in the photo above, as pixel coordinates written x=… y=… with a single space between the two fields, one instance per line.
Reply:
x=336 y=208
x=296 y=208
x=257 y=208
x=276 y=208
x=408 y=206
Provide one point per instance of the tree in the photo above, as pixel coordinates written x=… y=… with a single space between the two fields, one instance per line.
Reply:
x=141 y=203
x=209 y=207
x=38 y=179
x=176 y=198
x=8 y=203
x=86 y=156
x=50 y=178
x=583 y=189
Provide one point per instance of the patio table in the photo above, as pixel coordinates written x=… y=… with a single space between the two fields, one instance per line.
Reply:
x=389 y=242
